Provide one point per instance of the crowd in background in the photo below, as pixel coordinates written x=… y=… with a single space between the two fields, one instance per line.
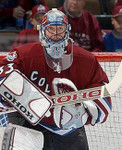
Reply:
x=22 y=17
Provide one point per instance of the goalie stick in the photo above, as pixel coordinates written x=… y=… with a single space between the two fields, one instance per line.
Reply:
x=83 y=95
x=4 y=110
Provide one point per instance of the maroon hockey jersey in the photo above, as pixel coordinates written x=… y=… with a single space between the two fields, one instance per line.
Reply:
x=26 y=36
x=85 y=71
x=85 y=31
x=118 y=2
x=7 y=7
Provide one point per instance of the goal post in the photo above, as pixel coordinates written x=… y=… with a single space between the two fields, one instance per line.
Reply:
x=106 y=136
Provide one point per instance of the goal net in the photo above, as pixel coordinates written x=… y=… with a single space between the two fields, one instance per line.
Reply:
x=106 y=136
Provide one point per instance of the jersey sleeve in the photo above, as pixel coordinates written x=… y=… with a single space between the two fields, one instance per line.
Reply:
x=103 y=104
x=9 y=63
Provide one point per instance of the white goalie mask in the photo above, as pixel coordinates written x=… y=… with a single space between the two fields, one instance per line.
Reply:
x=54 y=36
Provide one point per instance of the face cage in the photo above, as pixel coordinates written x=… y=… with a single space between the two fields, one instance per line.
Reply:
x=57 y=36
x=54 y=49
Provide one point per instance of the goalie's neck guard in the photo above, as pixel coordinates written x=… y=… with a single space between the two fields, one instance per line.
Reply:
x=62 y=63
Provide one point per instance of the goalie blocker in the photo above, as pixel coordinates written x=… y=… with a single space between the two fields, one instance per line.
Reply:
x=25 y=97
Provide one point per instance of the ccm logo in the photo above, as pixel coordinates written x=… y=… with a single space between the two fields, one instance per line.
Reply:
x=77 y=96
x=18 y=105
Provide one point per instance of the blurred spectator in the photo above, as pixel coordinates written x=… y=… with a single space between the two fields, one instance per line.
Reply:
x=31 y=35
x=13 y=12
x=113 y=39
x=118 y=2
x=59 y=3
x=85 y=29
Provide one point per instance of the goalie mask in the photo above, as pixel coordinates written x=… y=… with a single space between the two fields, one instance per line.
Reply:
x=54 y=36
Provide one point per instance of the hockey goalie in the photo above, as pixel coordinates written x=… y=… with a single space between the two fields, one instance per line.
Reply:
x=31 y=74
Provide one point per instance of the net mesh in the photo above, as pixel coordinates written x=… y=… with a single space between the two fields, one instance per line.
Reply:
x=108 y=136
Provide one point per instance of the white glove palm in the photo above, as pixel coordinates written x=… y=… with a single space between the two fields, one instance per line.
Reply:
x=71 y=116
